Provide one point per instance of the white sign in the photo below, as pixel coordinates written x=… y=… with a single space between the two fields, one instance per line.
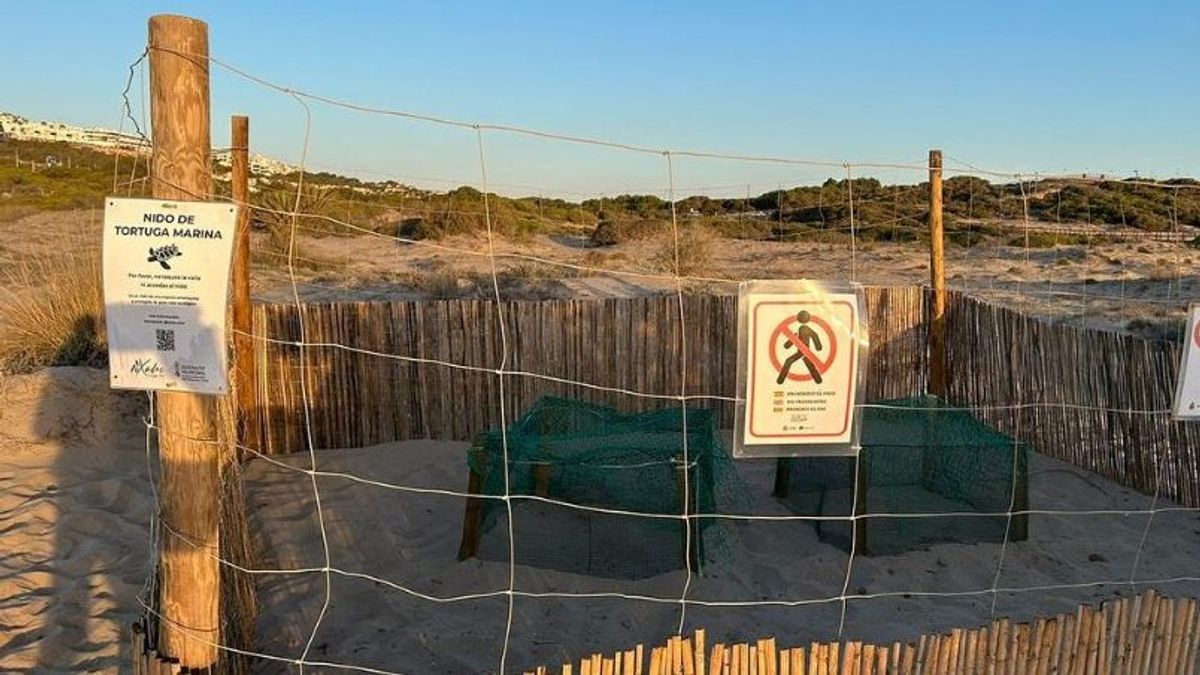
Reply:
x=800 y=368
x=1187 y=388
x=166 y=285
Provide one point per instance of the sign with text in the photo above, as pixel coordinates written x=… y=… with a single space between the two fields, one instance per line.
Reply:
x=1187 y=387
x=800 y=368
x=166 y=285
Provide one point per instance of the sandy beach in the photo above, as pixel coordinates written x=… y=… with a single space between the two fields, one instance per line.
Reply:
x=410 y=542
x=74 y=521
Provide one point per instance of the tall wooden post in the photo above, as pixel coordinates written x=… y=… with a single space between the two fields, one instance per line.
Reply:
x=937 y=273
x=243 y=344
x=189 y=440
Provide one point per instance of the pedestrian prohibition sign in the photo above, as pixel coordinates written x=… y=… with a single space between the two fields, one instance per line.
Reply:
x=802 y=341
x=1187 y=389
x=799 y=368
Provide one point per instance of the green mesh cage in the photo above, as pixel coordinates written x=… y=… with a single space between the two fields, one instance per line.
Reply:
x=919 y=456
x=591 y=455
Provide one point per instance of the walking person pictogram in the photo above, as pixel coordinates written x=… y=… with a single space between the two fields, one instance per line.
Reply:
x=808 y=340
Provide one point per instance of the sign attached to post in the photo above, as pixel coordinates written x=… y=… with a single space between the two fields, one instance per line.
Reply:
x=166 y=286
x=801 y=364
x=1187 y=387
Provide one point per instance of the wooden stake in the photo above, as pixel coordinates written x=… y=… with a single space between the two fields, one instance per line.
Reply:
x=718 y=658
x=243 y=343
x=937 y=274
x=189 y=443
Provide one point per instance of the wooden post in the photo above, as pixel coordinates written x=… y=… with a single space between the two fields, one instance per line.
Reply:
x=783 y=477
x=541 y=479
x=243 y=343
x=189 y=441
x=1019 y=528
x=937 y=273
x=468 y=546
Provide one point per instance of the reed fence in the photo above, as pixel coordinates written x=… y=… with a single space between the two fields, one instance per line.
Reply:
x=358 y=396
x=377 y=372
x=1131 y=635
x=1096 y=399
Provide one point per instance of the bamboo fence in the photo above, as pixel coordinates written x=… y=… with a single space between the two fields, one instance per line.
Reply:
x=359 y=396
x=377 y=372
x=1096 y=399
x=1132 y=635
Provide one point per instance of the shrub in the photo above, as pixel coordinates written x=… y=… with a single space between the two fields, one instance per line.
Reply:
x=1163 y=270
x=694 y=255
x=521 y=229
x=605 y=234
x=889 y=233
x=437 y=283
x=1157 y=329
x=1043 y=239
x=612 y=232
x=313 y=210
x=735 y=227
x=278 y=250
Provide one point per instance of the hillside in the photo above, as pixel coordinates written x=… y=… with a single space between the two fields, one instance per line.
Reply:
x=46 y=174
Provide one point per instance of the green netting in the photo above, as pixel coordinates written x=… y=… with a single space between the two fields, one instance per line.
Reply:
x=592 y=455
x=919 y=456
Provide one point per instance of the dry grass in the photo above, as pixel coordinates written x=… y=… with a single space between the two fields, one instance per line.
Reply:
x=11 y=213
x=277 y=250
x=1163 y=270
x=694 y=256
x=52 y=311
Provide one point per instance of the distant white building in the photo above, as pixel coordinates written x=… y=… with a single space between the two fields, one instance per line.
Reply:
x=21 y=129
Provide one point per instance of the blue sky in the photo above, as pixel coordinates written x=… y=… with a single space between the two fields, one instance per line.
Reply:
x=1074 y=86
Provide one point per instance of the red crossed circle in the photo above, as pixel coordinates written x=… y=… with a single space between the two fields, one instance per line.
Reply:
x=1196 y=334
x=783 y=331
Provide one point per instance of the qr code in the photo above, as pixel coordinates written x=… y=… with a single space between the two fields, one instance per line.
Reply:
x=164 y=338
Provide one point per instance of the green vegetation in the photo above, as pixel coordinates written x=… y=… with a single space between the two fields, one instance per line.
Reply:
x=340 y=205
x=612 y=232
x=67 y=177
x=1052 y=239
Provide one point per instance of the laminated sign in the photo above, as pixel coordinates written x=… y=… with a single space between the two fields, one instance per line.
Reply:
x=166 y=284
x=800 y=368
x=1187 y=387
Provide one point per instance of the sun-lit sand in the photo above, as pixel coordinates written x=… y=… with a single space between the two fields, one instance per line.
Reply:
x=411 y=540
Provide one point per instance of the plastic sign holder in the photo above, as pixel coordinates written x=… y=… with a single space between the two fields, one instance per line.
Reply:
x=166 y=293
x=1187 y=387
x=802 y=352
